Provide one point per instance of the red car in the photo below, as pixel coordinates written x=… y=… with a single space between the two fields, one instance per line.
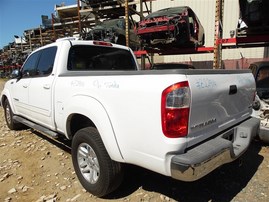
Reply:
x=177 y=26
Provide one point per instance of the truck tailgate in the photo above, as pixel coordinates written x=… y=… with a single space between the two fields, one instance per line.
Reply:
x=218 y=101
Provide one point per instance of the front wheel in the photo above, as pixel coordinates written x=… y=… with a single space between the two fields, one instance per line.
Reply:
x=97 y=173
x=11 y=123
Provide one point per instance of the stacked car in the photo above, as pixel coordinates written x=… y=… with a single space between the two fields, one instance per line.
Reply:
x=170 y=27
x=176 y=26
x=253 y=17
x=113 y=30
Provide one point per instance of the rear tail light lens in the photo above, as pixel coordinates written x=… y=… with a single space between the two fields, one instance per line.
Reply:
x=175 y=109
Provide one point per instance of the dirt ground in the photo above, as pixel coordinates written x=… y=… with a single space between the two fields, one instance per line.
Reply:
x=36 y=168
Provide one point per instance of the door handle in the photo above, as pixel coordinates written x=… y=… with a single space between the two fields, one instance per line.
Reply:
x=46 y=86
x=25 y=85
x=233 y=89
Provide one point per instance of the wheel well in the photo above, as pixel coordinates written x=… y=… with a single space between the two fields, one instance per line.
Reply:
x=4 y=98
x=76 y=122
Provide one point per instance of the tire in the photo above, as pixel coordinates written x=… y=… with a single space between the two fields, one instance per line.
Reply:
x=11 y=123
x=97 y=173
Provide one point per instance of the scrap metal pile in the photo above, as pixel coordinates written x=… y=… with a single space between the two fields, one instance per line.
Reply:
x=101 y=3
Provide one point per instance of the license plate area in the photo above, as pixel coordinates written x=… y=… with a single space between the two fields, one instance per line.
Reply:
x=229 y=135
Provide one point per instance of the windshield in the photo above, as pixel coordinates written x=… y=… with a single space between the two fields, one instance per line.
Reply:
x=99 y=58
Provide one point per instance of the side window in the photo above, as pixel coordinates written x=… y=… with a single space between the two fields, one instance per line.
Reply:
x=46 y=61
x=29 y=68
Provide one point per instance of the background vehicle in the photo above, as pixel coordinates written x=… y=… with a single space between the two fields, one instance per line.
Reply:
x=182 y=123
x=254 y=12
x=174 y=27
x=113 y=31
x=260 y=71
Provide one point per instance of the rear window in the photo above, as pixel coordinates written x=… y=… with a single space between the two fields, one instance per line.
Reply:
x=99 y=58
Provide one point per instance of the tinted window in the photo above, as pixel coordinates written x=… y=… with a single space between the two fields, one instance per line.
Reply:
x=46 y=61
x=97 y=58
x=29 y=68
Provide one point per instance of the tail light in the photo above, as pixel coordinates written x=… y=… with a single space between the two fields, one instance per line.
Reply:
x=175 y=109
x=102 y=43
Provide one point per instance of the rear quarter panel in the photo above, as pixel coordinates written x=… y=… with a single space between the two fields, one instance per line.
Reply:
x=127 y=112
x=126 y=108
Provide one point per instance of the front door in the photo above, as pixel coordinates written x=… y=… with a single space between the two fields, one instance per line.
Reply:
x=21 y=86
x=41 y=88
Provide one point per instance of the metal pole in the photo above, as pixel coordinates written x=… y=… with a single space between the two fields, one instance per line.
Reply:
x=21 y=45
x=127 y=30
x=40 y=32
x=143 y=57
x=152 y=54
x=52 y=22
x=141 y=10
x=79 y=18
x=30 y=41
x=217 y=64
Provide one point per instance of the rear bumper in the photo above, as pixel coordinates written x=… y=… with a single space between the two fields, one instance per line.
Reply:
x=201 y=160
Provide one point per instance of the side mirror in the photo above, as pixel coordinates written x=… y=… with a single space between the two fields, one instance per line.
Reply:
x=16 y=74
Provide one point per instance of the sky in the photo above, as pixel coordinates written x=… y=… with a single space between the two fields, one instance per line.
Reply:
x=19 y=15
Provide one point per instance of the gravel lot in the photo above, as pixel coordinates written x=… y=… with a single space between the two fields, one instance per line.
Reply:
x=36 y=168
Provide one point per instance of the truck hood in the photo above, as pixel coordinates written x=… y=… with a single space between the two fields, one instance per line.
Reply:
x=218 y=103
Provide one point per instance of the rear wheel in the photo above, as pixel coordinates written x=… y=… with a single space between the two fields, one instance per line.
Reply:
x=11 y=123
x=97 y=173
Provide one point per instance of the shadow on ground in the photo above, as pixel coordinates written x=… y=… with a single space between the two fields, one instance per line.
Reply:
x=223 y=184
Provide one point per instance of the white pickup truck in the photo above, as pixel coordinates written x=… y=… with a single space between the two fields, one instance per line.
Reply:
x=182 y=123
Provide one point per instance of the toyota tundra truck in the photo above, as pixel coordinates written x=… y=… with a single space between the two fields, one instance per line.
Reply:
x=181 y=123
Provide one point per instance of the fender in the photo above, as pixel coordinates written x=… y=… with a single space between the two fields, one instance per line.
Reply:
x=96 y=112
x=5 y=93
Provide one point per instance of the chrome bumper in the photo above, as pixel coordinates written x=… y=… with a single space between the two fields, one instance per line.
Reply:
x=204 y=158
